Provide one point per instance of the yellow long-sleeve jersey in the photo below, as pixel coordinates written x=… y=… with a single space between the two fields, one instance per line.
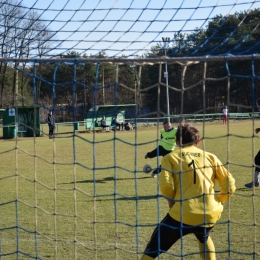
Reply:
x=188 y=177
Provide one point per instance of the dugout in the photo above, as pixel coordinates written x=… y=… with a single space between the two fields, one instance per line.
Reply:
x=19 y=121
x=94 y=115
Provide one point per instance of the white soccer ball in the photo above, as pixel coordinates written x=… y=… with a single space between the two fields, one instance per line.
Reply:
x=147 y=168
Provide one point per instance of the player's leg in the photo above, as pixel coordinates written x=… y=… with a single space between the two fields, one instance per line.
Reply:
x=206 y=245
x=257 y=162
x=158 y=151
x=162 y=152
x=154 y=153
x=151 y=154
x=163 y=237
x=255 y=181
x=156 y=172
x=210 y=250
x=50 y=131
x=224 y=119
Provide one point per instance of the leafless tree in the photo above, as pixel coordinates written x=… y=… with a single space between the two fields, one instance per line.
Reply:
x=22 y=34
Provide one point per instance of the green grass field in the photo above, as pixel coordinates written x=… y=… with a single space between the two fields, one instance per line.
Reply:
x=85 y=196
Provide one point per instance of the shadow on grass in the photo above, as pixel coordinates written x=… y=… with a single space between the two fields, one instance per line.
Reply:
x=245 y=189
x=104 y=180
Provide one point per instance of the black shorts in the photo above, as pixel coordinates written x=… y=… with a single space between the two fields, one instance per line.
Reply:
x=257 y=162
x=170 y=231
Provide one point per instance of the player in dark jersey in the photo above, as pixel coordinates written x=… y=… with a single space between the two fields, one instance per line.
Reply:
x=255 y=181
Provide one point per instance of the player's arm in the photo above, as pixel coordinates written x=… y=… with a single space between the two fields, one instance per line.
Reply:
x=166 y=181
x=226 y=181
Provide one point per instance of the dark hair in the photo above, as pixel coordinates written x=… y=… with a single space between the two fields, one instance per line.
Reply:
x=187 y=134
x=166 y=122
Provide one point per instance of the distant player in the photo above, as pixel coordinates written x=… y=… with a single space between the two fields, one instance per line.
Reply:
x=255 y=181
x=119 y=123
x=187 y=181
x=104 y=124
x=225 y=115
x=166 y=145
x=50 y=120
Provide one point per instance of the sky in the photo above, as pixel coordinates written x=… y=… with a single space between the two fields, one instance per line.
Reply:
x=126 y=27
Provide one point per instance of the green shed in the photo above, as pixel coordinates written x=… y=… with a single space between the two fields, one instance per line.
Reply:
x=21 y=121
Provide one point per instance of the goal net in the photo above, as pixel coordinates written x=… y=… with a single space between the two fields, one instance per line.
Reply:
x=83 y=194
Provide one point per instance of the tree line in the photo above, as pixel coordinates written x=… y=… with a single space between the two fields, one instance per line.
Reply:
x=75 y=83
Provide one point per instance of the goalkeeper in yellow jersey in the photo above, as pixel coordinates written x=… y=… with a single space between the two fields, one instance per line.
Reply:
x=187 y=181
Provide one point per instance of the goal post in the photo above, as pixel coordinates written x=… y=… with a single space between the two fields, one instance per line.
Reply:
x=83 y=194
